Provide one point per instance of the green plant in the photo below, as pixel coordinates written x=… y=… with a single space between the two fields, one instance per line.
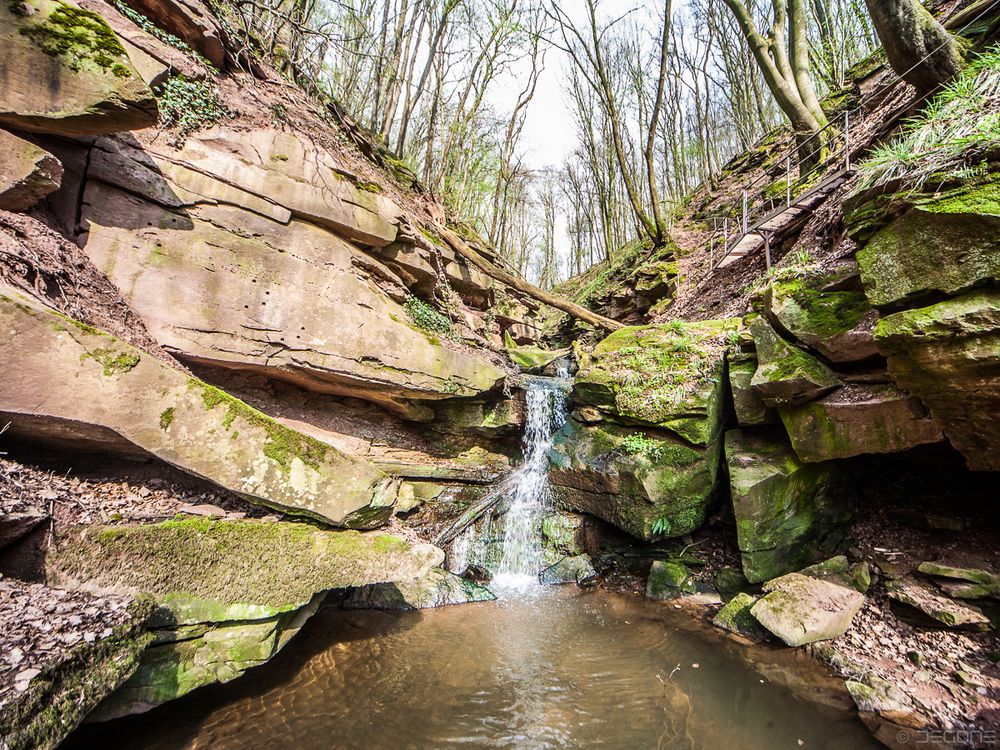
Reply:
x=426 y=317
x=278 y=112
x=637 y=444
x=661 y=526
x=190 y=106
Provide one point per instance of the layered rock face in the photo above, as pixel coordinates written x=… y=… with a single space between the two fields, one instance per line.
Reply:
x=229 y=594
x=933 y=257
x=70 y=384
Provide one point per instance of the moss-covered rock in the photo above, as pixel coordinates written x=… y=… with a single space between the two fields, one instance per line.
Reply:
x=787 y=513
x=669 y=376
x=939 y=611
x=76 y=387
x=731 y=581
x=669 y=579
x=948 y=355
x=859 y=419
x=750 y=410
x=736 y=618
x=531 y=358
x=228 y=594
x=785 y=374
x=651 y=487
x=437 y=588
x=66 y=72
x=943 y=243
x=576 y=569
x=800 y=609
x=835 y=322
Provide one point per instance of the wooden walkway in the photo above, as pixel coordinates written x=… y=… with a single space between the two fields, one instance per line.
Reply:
x=781 y=220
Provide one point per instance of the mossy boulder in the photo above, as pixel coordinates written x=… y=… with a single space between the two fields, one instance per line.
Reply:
x=65 y=72
x=935 y=609
x=837 y=323
x=736 y=618
x=651 y=487
x=669 y=376
x=562 y=534
x=531 y=358
x=787 y=513
x=437 y=588
x=943 y=243
x=948 y=356
x=859 y=419
x=786 y=375
x=73 y=386
x=577 y=569
x=731 y=581
x=750 y=410
x=800 y=609
x=228 y=594
x=669 y=579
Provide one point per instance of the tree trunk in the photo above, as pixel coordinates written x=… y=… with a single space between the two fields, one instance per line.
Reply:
x=918 y=48
x=457 y=244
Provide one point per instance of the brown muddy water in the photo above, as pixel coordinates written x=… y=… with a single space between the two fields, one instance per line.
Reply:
x=563 y=669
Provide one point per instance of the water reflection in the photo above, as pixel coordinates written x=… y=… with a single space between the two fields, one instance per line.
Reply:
x=570 y=669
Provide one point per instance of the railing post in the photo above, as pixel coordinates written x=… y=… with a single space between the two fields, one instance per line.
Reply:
x=711 y=253
x=788 y=182
x=725 y=225
x=746 y=226
x=847 y=141
x=767 y=250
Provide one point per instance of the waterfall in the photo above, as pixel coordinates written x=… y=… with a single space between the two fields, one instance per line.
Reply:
x=527 y=489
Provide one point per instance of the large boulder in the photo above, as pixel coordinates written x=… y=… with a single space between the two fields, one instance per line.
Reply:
x=192 y=21
x=814 y=310
x=787 y=513
x=229 y=594
x=650 y=485
x=786 y=375
x=948 y=355
x=669 y=376
x=801 y=609
x=72 y=385
x=944 y=243
x=27 y=173
x=286 y=300
x=749 y=408
x=859 y=419
x=64 y=71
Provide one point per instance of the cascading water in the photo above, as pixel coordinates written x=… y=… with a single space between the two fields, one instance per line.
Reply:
x=527 y=489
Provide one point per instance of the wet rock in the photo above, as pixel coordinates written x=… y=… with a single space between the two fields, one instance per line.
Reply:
x=787 y=513
x=800 y=609
x=836 y=324
x=947 y=356
x=669 y=579
x=27 y=173
x=669 y=376
x=75 y=387
x=944 y=242
x=735 y=617
x=648 y=485
x=478 y=574
x=229 y=594
x=530 y=358
x=857 y=420
x=886 y=710
x=577 y=569
x=785 y=374
x=941 y=611
x=65 y=72
x=437 y=588
x=562 y=533
x=729 y=582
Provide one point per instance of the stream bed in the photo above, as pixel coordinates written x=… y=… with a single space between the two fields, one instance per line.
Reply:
x=557 y=668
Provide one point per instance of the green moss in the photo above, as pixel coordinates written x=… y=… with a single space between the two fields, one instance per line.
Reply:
x=115 y=362
x=166 y=418
x=827 y=313
x=369 y=187
x=79 y=37
x=283 y=445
